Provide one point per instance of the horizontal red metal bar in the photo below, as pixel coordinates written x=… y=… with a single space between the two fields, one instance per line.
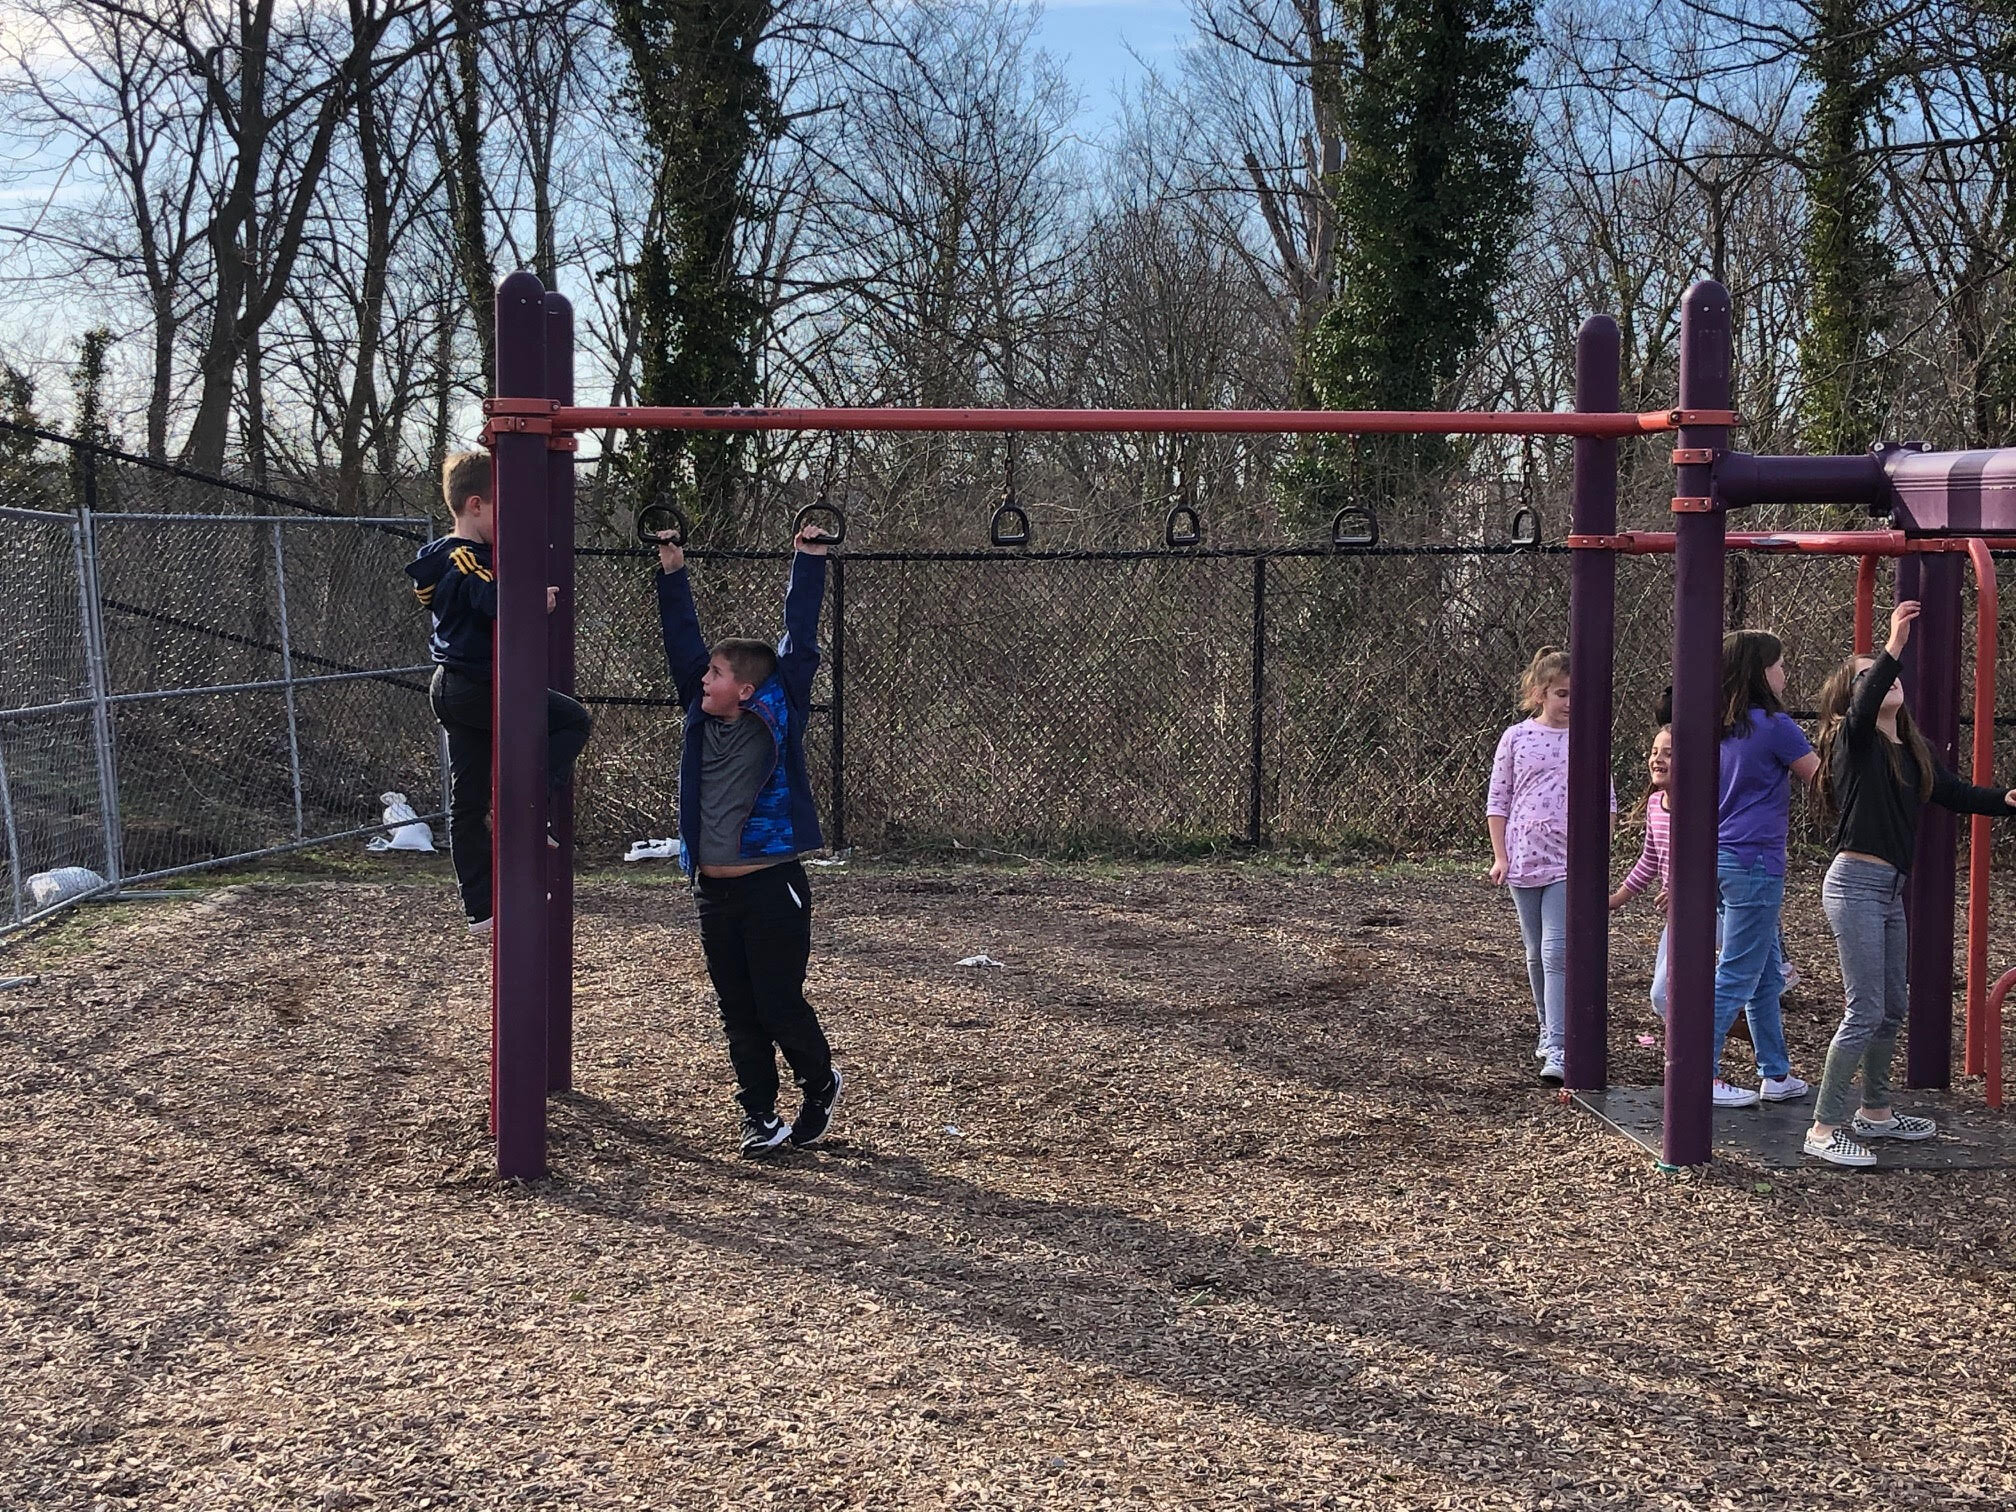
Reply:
x=1871 y=543
x=1177 y=421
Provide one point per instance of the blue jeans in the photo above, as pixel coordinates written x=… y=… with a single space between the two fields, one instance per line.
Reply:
x=1751 y=971
x=1661 y=975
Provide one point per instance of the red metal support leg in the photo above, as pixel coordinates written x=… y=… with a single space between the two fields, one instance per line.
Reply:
x=1979 y=1050
x=518 y=971
x=1865 y=606
x=560 y=674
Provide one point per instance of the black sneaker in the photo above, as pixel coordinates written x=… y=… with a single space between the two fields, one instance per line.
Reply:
x=762 y=1133
x=815 y=1119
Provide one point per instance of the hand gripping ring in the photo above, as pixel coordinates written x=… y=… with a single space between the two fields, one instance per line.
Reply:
x=1010 y=526
x=835 y=533
x=1182 y=528
x=653 y=518
x=1526 y=526
x=1354 y=526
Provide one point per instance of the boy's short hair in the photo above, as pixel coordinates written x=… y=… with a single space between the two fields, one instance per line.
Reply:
x=463 y=474
x=752 y=661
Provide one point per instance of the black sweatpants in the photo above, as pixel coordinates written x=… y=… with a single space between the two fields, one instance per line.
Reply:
x=462 y=705
x=757 y=933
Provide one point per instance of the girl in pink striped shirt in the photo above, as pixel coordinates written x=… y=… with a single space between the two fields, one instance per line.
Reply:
x=1655 y=860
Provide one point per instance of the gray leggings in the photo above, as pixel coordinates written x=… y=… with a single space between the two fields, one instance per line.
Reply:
x=1864 y=901
x=1543 y=923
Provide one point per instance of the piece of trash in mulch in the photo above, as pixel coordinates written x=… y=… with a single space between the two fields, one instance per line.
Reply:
x=653 y=850
x=8 y=983
x=984 y=960
x=1648 y=1040
x=955 y=1131
x=838 y=858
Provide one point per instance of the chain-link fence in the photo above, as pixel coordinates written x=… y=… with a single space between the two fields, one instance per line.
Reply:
x=181 y=688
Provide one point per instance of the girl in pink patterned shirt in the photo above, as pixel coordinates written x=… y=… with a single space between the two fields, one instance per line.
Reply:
x=1655 y=860
x=1527 y=812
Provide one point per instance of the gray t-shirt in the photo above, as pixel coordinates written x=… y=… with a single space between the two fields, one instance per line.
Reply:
x=737 y=757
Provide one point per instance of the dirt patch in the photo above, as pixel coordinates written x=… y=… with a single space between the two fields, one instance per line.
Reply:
x=1233 y=1189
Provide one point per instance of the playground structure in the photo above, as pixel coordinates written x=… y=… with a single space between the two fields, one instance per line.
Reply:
x=1943 y=506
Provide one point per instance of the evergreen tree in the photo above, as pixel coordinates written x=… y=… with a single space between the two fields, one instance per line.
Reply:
x=1849 y=269
x=707 y=108
x=87 y=392
x=20 y=474
x=1429 y=202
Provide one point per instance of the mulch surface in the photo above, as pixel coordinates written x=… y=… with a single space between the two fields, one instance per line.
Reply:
x=1234 y=1189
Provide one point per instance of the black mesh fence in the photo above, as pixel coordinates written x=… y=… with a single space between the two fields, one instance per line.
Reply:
x=261 y=682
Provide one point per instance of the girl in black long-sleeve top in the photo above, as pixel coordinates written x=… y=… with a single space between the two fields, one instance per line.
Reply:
x=1877 y=774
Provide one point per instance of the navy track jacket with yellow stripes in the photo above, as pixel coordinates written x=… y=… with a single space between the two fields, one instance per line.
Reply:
x=456 y=582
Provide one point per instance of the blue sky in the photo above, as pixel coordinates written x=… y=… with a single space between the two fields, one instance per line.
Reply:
x=1092 y=38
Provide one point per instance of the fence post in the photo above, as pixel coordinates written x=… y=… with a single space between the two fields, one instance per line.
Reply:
x=13 y=837
x=518 y=950
x=84 y=538
x=1257 y=735
x=560 y=675
x=1699 y=556
x=838 y=718
x=287 y=673
x=1592 y=636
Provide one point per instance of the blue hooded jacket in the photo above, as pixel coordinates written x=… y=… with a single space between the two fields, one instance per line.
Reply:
x=456 y=584
x=785 y=820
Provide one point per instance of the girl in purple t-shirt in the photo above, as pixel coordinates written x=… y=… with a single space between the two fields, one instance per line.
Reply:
x=1527 y=812
x=1762 y=751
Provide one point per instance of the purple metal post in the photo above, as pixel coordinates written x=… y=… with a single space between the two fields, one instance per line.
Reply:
x=1697 y=687
x=1934 y=690
x=560 y=676
x=1592 y=642
x=518 y=968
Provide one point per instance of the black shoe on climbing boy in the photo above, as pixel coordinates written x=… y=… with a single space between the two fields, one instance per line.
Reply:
x=763 y=1133
x=815 y=1119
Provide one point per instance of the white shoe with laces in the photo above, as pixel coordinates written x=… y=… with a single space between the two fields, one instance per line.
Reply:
x=1897 y=1126
x=1839 y=1148
x=1551 y=1070
x=1727 y=1096
x=1786 y=1088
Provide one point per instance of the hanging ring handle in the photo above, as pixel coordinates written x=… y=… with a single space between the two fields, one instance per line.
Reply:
x=835 y=534
x=1354 y=526
x=1525 y=526
x=1010 y=526
x=1182 y=528
x=655 y=518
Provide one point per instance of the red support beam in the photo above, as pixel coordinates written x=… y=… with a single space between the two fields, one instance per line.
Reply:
x=1983 y=1057
x=1180 y=422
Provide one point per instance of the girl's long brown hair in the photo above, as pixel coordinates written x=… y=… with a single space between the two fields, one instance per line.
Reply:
x=1834 y=696
x=1746 y=656
x=1549 y=666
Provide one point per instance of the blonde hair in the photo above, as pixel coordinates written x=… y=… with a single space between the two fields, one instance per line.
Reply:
x=1549 y=666
x=463 y=474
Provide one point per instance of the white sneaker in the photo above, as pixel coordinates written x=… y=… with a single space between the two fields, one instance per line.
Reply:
x=482 y=928
x=1727 y=1096
x=1839 y=1149
x=1787 y=1088
x=1897 y=1126
x=1551 y=1070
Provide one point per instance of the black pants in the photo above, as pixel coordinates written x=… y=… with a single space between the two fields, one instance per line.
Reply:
x=757 y=932
x=462 y=704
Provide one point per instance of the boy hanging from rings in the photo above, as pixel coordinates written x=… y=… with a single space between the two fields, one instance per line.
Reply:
x=746 y=815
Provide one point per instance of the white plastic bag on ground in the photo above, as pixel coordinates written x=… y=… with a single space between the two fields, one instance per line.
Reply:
x=411 y=834
x=47 y=889
x=653 y=850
